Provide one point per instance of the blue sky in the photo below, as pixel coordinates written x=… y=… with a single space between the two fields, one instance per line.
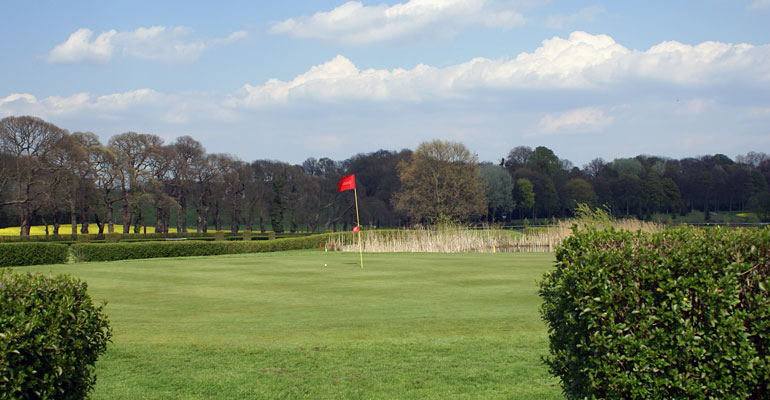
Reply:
x=292 y=79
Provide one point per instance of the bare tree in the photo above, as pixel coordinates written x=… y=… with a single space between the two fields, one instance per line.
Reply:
x=204 y=174
x=188 y=152
x=133 y=152
x=160 y=167
x=234 y=175
x=31 y=142
x=326 y=205
x=106 y=174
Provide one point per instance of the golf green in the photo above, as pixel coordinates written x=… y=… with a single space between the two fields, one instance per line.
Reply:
x=284 y=326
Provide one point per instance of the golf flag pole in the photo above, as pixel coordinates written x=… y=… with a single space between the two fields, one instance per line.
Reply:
x=347 y=183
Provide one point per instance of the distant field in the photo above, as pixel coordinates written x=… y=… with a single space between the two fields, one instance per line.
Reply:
x=283 y=326
x=67 y=230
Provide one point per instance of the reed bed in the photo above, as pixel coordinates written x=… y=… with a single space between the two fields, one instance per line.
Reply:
x=463 y=240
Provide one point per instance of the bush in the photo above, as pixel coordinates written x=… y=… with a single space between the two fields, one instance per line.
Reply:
x=50 y=337
x=124 y=251
x=32 y=253
x=679 y=314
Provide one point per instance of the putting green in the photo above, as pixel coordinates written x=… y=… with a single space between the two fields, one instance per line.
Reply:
x=283 y=325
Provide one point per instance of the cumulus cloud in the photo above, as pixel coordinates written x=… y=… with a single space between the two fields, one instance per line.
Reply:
x=587 y=14
x=589 y=119
x=356 y=24
x=79 y=47
x=581 y=61
x=25 y=103
x=580 y=64
x=156 y=43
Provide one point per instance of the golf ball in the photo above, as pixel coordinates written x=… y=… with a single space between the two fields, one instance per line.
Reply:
x=325 y=265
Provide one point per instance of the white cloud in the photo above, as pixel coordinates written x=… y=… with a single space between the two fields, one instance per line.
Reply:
x=79 y=47
x=587 y=14
x=756 y=5
x=589 y=119
x=582 y=61
x=154 y=43
x=566 y=68
x=354 y=23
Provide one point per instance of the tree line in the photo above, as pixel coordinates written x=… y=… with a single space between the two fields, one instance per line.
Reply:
x=51 y=177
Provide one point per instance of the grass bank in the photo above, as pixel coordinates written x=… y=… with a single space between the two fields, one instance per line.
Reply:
x=281 y=325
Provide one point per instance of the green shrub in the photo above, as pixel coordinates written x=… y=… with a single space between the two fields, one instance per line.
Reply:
x=126 y=250
x=679 y=314
x=50 y=337
x=32 y=253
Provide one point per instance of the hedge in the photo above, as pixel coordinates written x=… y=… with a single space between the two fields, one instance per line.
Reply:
x=123 y=251
x=32 y=253
x=51 y=335
x=115 y=237
x=681 y=314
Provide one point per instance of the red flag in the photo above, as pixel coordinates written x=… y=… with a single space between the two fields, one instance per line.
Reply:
x=347 y=183
x=355 y=228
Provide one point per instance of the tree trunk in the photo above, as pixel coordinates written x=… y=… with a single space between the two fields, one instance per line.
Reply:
x=108 y=215
x=181 y=219
x=73 y=218
x=159 y=220
x=217 y=217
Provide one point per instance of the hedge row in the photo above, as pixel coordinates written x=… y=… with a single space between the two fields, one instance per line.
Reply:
x=32 y=253
x=140 y=236
x=681 y=314
x=51 y=335
x=123 y=251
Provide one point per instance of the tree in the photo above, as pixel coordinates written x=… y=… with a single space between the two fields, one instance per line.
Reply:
x=577 y=191
x=236 y=175
x=160 y=184
x=524 y=195
x=204 y=174
x=133 y=152
x=76 y=177
x=106 y=174
x=546 y=196
x=499 y=190
x=518 y=157
x=441 y=180
x=543 y=160
x=327 y=206
x=594 y=167
x=627 y=190
x=377 y=178
x=760 y=204
x=31 y=142
x=188 y=152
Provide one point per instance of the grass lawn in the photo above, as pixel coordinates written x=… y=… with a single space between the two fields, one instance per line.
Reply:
x=283 y=326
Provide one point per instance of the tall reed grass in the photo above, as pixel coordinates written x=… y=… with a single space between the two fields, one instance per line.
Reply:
x=456 y=239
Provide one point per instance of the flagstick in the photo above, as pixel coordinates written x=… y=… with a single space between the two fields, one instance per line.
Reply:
x=358 y=224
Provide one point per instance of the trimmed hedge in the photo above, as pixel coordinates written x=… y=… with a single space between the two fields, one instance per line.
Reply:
x=120 y=237
x=50 y=337
x=681 y=314
x=32 y=253
x=124 y=251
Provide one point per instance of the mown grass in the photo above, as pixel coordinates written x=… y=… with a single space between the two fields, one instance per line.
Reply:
x=283 y=326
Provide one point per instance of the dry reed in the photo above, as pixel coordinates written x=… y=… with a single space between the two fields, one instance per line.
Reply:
x=460 y=240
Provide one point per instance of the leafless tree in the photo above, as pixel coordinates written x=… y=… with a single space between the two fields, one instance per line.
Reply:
x=187 y=153
x=133 y=152
x=202 y=190
x=30 y=141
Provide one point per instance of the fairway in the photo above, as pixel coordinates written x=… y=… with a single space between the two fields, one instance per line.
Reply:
x=283 y=326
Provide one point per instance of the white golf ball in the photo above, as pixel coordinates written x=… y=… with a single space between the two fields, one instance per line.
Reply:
x=325 y=265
